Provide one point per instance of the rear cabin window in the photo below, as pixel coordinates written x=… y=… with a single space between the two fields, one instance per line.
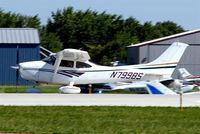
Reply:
x=66 y=63
x=82 y=65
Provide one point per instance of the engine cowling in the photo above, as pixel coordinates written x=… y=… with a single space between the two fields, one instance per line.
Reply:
x=69 y=90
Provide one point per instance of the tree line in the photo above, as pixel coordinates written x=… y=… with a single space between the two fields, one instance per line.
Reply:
x=105 y=36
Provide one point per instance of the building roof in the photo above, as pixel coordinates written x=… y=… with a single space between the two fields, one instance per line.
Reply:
x=19 y=35
x=165 y=38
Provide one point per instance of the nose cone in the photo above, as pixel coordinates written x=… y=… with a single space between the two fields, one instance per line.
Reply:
x=29 y=70
x=24 y=65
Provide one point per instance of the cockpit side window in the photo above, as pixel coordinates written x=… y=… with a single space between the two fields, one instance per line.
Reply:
x=66 y=63
x=82 y=65
x=50 y=60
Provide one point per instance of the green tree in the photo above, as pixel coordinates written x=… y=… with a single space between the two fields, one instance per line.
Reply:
x=13 y=20
x=105 y=36
x=167 y=28
x=50 y=41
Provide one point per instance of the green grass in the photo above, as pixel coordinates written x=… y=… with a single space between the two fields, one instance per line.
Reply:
x=108 y=120
x=48 y=89
x=23 y=89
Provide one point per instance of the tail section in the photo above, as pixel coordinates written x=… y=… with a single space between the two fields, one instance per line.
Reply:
x=172 y=55
x=167 y=62
x=183 y=73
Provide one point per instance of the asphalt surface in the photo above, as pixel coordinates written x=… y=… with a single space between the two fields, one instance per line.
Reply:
x=97 y=100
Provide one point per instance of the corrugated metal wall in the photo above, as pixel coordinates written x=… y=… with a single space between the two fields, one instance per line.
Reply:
x=144 y=54
x=190 y=60
x=133 y=55
x=17 y=45
x=153 y=51
x=11 y=55
x=8 y=59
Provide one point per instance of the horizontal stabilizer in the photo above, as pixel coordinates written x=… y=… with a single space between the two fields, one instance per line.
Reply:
x=158 y=88
x=152 y=87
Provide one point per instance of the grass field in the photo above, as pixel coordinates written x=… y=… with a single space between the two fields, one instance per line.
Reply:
x=23 y=89
x=107 y=120
x=46 y=89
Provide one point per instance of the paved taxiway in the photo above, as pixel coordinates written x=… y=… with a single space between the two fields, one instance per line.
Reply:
x=97 y=100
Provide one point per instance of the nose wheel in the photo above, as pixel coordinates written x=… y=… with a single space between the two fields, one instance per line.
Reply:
x=69 y=90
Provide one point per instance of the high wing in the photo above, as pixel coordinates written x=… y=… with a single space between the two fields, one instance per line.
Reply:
x=73 y=55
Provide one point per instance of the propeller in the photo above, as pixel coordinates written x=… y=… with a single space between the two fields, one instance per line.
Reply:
x=15 y=67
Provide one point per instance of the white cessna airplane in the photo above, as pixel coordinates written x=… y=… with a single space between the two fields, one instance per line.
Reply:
x=71 y=67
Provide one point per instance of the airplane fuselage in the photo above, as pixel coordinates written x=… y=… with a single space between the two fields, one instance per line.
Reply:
x=43 y=72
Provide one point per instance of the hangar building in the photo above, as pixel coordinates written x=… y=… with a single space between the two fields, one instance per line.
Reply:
x=148 y=51
x=17 y=45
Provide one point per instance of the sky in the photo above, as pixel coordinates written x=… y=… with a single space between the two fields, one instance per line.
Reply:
x=185 y=13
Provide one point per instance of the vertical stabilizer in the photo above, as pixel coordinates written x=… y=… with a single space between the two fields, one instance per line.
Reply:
x=167 y=62
x=172 y=55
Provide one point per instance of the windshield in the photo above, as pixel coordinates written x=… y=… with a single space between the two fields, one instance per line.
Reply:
x=50 y=60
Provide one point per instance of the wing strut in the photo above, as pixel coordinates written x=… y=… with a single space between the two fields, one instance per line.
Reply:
x=56 y=65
